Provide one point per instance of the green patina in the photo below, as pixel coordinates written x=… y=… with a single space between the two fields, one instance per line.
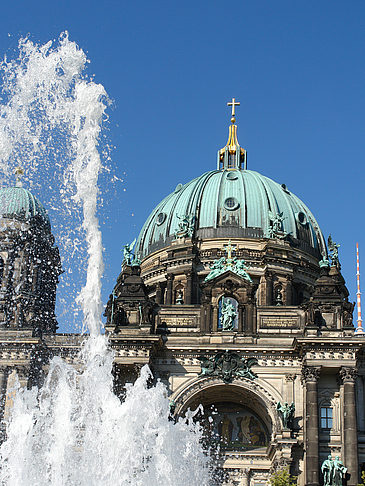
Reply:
x=19 y=203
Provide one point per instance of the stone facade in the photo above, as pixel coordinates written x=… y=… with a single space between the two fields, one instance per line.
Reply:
x=286 y=340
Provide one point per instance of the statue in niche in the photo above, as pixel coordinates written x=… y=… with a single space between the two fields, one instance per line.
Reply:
x=228 y=315
x=333 y=248
x=128 y=255
x=185 y=226
x=179 y=297
x=278 y=296
x=333 y=471
x=286 y=413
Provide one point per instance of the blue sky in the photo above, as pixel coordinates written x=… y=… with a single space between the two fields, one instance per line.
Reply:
x=170 y=67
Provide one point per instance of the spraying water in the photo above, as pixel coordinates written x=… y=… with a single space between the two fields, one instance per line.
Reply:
x=74 y=430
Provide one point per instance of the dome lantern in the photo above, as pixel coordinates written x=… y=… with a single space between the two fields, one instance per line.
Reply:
x=232 y=156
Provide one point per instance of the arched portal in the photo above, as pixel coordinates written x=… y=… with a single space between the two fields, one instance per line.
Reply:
x=233 y=415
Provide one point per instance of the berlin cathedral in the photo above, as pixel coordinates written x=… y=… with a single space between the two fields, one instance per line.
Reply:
x=234 y=298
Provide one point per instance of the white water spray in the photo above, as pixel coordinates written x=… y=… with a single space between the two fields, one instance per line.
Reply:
x=75 y=431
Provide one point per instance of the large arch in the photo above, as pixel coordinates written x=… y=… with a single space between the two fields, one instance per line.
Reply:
x=209 y=390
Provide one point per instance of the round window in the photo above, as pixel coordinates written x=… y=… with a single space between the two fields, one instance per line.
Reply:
x=160 y=218
x=232 y=176
x=302 y=218
x=231 y=203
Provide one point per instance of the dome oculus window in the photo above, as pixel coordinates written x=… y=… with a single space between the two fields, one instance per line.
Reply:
x=232 y=176
x=302 y=218
x=231 y=203
x=160 y=218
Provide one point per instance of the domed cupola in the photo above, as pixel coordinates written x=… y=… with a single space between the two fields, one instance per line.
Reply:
x=29 y=262
x=231 y=201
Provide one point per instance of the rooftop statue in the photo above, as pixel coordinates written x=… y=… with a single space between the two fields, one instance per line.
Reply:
x=333 y=248
x=229 y=262
x=228 y=315
x=333 y=471
x=286 y=413
x=128 y=255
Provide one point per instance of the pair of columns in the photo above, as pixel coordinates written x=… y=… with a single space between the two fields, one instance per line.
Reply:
x=350 y=458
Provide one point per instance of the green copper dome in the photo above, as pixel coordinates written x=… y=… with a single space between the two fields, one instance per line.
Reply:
x=19 y=203
x=232 y=203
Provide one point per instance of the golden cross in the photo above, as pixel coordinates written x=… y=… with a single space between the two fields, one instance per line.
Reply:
x=233 y=103
x=229 y=248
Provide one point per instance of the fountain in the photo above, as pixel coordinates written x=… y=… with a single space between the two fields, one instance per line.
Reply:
x=75 y=430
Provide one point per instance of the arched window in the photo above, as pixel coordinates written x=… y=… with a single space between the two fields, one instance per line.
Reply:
x=227 y=314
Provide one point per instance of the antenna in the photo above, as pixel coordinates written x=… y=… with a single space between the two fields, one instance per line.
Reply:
x=359 y=329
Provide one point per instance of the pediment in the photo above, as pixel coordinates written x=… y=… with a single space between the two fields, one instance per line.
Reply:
x=229 y=275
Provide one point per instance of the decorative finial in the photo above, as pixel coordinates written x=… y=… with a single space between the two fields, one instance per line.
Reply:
x=232 y=156
x=19 y=172
x=233 y=103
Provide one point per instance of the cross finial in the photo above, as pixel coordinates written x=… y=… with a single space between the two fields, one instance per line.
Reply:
x=229 y=249
x=19 y=172
x=233 y=103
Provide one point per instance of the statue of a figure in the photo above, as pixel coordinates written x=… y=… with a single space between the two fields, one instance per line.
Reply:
x=179 y=297
x=279 y=297
x=286 y=412
x=128 y=252
x=333 y=471
x=240 y=268
x=275 y=230
x=185 y=226
x=333 y=248
x=228 y=315
x=339 y=472
x=218 y=267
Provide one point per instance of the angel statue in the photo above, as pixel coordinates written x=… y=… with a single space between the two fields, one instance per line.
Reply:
x=286 y=413
x=128 y=252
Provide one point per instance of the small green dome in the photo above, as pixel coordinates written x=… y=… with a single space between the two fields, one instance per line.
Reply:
x=237 y=203
x=19 y=203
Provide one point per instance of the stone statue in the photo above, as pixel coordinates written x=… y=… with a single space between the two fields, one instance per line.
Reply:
x=228 y=315
x=128 y=252
x=179 y=297
x=279 y=297
x=286 y=413
x=333 y=471
x=333 y=248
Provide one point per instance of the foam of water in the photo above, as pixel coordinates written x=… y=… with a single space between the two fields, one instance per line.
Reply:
x=74 y=430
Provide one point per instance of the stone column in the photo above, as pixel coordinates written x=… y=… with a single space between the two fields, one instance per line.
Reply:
x=241 y=314
x=189 y=285
x=289 y=381
x=269 y=288
x=170 y=281
x=159 y=293
x=310 y=376
x=288 y=290
x=350 y=459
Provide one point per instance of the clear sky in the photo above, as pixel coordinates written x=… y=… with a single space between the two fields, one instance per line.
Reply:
x=170 y=67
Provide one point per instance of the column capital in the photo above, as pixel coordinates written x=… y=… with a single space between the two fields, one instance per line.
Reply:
x=290 y=377
x=169 y=277
x=310 y=374
x=347 y=374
